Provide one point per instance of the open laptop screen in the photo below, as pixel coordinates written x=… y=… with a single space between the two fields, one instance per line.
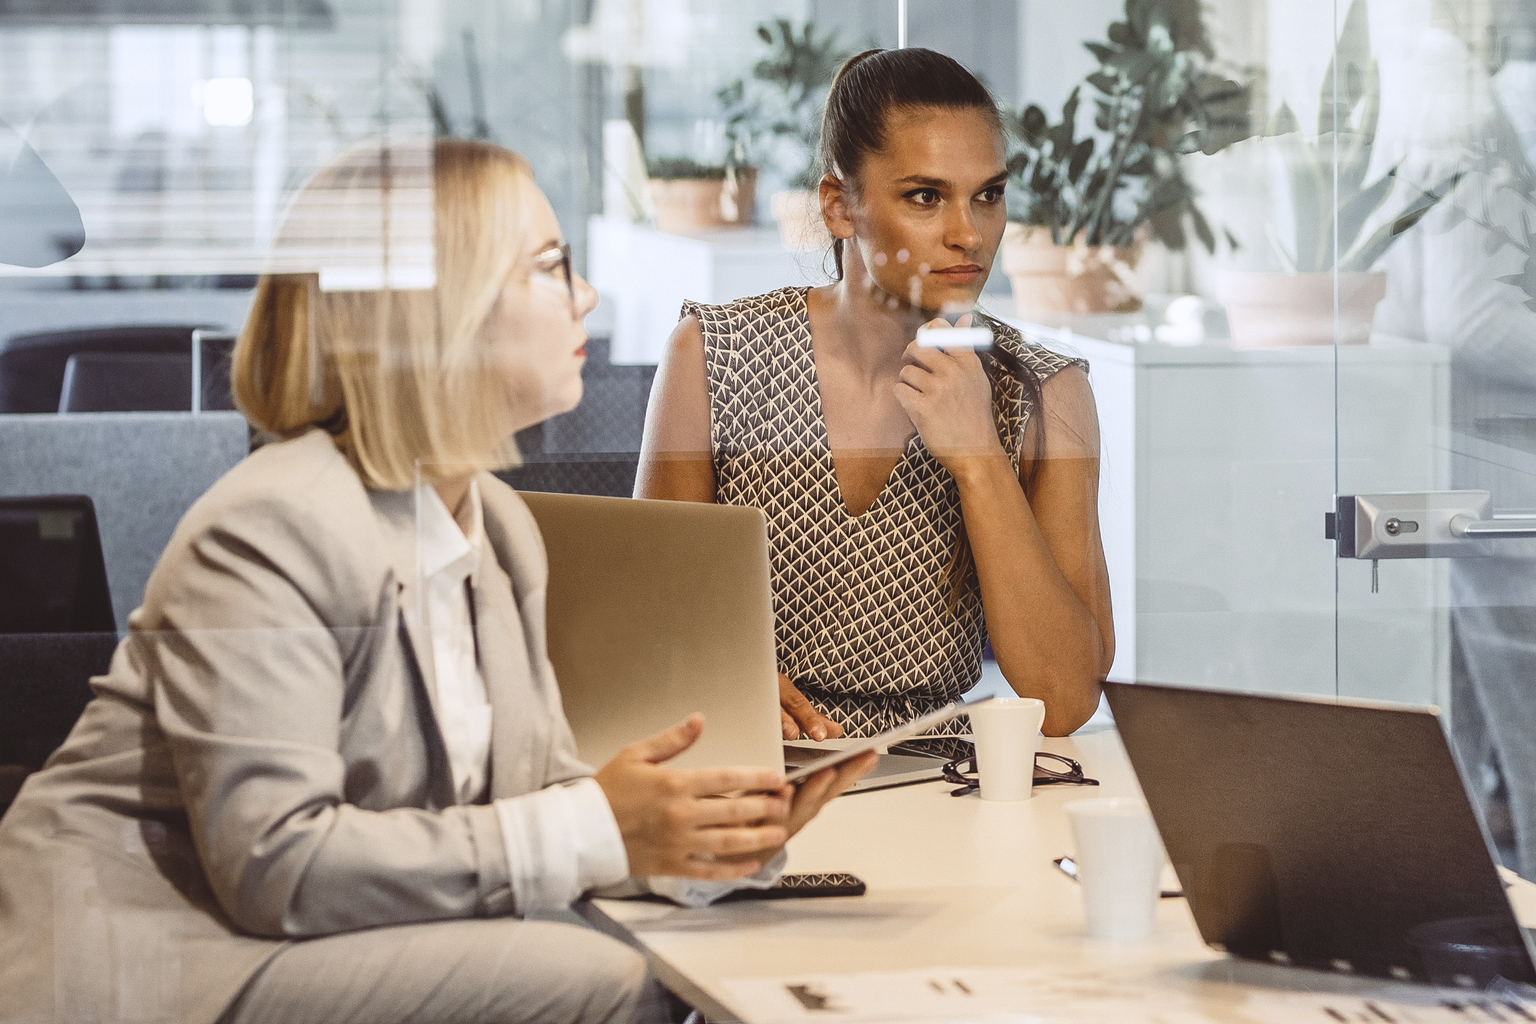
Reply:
x=1321 y=833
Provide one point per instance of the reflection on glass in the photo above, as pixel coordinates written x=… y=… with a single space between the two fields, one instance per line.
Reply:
x=1452 y=102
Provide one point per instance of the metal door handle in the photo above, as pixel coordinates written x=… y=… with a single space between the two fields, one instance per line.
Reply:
x=1502 y=524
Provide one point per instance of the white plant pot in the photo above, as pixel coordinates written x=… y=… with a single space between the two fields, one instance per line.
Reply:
x=1278 y=310
x=800 y=224
x=1051 y=278
x=703 y=204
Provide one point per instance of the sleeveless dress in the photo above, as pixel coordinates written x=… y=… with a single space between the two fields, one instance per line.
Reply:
x=861 y=603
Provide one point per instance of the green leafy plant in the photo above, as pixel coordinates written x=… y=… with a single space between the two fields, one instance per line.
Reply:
x=437 y=106
x=783 y=98
x=1503 y=172
x=1331 y=201
x=1526 y=279
x=1156 y=98
x=676 y=167
x=1507 y=167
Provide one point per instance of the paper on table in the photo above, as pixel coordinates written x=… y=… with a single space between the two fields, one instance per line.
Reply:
x=1522 y=897
x=1087 y=996
x=992 y=996
x=1437 y=1008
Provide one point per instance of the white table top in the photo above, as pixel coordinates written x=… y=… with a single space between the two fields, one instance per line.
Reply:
x=951 y=882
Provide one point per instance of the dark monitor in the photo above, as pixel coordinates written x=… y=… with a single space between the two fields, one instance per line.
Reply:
x=1322 y=833
x=212 y=363
x=52 y=575
x=56 y=624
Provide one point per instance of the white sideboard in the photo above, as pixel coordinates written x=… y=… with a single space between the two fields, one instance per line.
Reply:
x=1218 y=468
x=647 y=275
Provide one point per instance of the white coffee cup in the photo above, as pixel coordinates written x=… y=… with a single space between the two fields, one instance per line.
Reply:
x=1119 y=865
x=1007 y=733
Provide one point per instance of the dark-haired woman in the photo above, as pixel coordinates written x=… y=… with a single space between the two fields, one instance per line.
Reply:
x=919 y=500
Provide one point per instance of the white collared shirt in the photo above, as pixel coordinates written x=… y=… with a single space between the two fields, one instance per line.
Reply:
x=561 y=840
x=448 y=555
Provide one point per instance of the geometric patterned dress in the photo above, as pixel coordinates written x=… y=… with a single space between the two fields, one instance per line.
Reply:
x=861 y=603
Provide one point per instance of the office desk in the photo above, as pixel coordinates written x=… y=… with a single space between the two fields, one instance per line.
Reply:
x=952 y=882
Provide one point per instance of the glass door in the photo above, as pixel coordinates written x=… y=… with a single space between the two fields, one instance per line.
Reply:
x=1445 y=611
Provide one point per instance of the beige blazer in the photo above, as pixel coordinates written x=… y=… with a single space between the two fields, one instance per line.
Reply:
x=262 y=762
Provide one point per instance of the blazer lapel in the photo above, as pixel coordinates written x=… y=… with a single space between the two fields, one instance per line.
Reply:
x=519 y=735
x=397 y=515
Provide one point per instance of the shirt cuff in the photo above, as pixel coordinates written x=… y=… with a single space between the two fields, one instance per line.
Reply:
x=699 y=892
x=561 y=841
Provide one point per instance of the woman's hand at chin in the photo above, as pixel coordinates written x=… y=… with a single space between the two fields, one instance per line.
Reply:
x=948 y=397
x=712 y=823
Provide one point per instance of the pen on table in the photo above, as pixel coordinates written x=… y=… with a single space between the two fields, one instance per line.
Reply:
x=1068 y=867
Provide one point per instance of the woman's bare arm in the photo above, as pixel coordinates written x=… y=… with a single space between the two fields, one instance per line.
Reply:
x=1040 y=560
x=675 y=456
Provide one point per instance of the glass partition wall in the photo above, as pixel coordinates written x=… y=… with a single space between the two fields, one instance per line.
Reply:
x=1293 y=242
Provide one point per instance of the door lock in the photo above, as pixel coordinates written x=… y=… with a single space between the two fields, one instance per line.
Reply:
x=1419 y=524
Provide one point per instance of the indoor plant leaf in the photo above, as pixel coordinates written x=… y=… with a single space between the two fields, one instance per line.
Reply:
x=1352 y=49
x=1284 y=122
x=1368 y=252
x=1358 y=208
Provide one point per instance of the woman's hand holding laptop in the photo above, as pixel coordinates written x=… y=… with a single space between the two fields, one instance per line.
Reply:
x=711 y=823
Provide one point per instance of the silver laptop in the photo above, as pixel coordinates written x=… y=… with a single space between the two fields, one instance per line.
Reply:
x=658 y=609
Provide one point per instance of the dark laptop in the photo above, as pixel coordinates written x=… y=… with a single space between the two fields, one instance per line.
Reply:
x=56 y=623
x=1322 y=833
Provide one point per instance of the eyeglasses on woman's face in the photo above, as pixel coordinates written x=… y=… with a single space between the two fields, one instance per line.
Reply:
x=554 y=263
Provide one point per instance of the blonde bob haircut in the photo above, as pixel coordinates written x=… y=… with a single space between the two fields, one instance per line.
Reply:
x=389 y=355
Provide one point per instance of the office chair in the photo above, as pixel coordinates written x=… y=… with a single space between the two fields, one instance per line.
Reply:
x=212 y=365
x=127 y=382
x=56 y=627
x=32 y=365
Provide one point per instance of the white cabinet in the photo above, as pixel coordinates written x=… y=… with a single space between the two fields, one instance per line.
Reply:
x=1218 y=468
x=647 y=275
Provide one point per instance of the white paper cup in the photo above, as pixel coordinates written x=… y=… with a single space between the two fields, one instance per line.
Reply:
x=1119 y=865
x=1007 y=732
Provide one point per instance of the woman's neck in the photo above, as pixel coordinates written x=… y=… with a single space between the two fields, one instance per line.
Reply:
x=454 y=491
x=870 y=328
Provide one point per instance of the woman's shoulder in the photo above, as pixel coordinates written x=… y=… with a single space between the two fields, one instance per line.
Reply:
x=513 y=531
x=303 y=477
x=1033 y=353
x=296 y=508
x=751 y=316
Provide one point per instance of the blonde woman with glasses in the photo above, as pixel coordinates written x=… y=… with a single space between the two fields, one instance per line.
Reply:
x=328 y=772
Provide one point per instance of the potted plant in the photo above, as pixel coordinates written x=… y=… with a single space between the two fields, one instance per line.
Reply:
x=780 y=108
x=690 y=196
x=1332 y=208
x=1085 y=205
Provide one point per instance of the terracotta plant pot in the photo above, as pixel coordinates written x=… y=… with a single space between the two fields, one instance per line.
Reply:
x=1271 y=310
x=702 y=204
x=1050 y=278
x=800 y=223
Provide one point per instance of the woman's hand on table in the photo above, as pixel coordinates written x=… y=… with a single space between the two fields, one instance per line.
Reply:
x=799 y=716
x=712 y=823
x=947 y=396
